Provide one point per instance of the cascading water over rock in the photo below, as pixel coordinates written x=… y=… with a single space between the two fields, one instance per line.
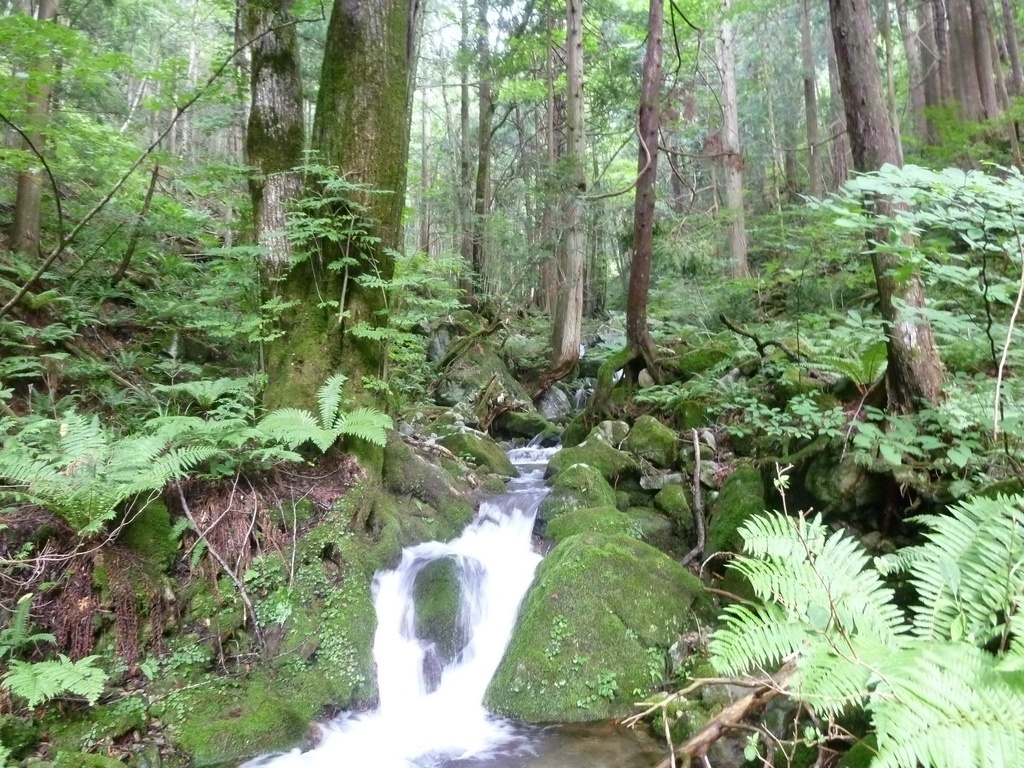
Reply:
x=431 y=712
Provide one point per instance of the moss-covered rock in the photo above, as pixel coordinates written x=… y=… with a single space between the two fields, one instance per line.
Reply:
x=653 y=441
x=612 y=432
x=593 y=520
x=594 y=452
x=700 y=360
x=578 y=486
x=471 y=371
x=674 y=501
x=408 y=474
x=527 y=425
x=481 y=450
x=654 y=528
x=838 y=484
x=149 y=536
x=437 y=595
x=575 y=431
x=82 y=760
x=741 y=497
x=689 y=414
x=19 y=734
x=593 y=632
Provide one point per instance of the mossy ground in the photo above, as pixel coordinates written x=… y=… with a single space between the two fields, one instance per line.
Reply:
x=593 y=632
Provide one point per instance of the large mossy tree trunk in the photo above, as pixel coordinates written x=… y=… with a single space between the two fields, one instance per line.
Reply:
x=276 y=134
x=362 y=127
x=914 y=375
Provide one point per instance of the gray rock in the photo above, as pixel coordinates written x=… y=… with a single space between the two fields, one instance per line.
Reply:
x=437 y=346
x=554 y=404
x=644 y=379
x=612 y=432
x=658 y=481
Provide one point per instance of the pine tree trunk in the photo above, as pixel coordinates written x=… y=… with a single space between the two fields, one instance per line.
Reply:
x=810 y=100
x=916 y=80
x=362 y=126
x=481 y=194
x=1013 y=50
x=567 y=327
x=468 y=282
x=29 y=195
x=732 y=155
x=981 y=32
x=914 y=375
x=276 y=134
x=930 y=65
x=962 y=52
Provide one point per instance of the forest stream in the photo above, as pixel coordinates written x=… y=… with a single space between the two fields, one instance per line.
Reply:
x=431 y=709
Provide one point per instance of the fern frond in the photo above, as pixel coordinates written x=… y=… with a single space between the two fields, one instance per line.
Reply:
x=44 y=680
x=328 y=400
x=755 y=637
x=82 y=437
x=366 y=423
x=207 y=392
x=291 y=426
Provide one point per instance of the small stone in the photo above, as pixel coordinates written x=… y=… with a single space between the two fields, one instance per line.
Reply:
x=645 y=380
x=554 y=404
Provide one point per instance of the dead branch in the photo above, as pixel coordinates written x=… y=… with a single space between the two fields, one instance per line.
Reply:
x=762 y=346
x=698 y=505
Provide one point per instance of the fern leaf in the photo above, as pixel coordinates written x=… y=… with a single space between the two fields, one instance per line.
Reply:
x=291 y=426
x=367 y=424
x=754 y=637
x=328 y=399
x=44 y=680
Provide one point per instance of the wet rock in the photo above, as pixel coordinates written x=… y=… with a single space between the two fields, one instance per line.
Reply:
x=578 y=486
x=741 y=497
x=607 y=520
x=593 y=630
x=466 y=376
x=437 y=345
x=612 y=464
x=437 y=595
x=554 y=404
x=612 y=432
x=526 y=425
x=674 y=501
x=481 y=450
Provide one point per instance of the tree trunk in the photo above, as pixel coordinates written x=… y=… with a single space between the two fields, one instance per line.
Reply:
x=638 y=337
x=567 y=326
x=981 y=32
x=962 y=52
x=885 y=22
x=917 y=83
x=362 y=126
x=29 y=196
x=276 y=134
x=842 y=158
x=468 y=281
x=930 y=66
x=914 y=375
x=425 y=180
x=810 y=100
x=940 y=15
x=481 y=194
x=732 y=155
x=548 y=240
x=1013 y=50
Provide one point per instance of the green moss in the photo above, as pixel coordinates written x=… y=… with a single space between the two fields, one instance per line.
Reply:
x=526 y=425
x=408 y=474
x=612 y=432
x=19 y=734
x=689 y=414
x=577 y=486
x=674 y=501
x=593 y=520
x=575 y=431
x=481 y=450
x=149 y=536
x=611 y=463
x=472 y=371
x=593 y=631
x=653 y=441
x=80 y=760
x=654 y=528
x=697 y=361
x=80 y=729
x=437 y=595
x=839 y=484
x=741 y=497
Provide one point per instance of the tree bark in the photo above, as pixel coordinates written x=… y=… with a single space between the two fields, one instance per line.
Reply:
x=638 y=337
x=732 y=155
x=842 y=158
x=425 y=180
x=481 y=194
x=916 y=80
x=940 y=15
x=981 y=32
x=467 y=283
x=362 y=126
x=1013 y=50
x=885 y=24
x=914 y=375
x=810 y=100
x=29 y=195
x=930 y=66
x=962 y=52
x=276 y=133
x=567 y=328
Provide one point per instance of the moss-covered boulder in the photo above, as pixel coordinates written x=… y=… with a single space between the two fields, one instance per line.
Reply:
x=651 y=440
x=612 y=432
x=654 y=528
x=674 y=501
x=594 y=452
x=471 y=371
x=408 y=474
x=19 y=734
x=578 y=486
x=689 y=414
x=575 y=431
x=592 y=520
x=839 y=485
x=741 y=497
x=527 y=425
x=697 y=361
x=593 y=632
x=149 y=536
x=437 y=595
x=481 y=450
x=83 y=760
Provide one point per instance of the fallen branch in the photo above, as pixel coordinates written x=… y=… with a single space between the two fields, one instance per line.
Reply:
x=698 y=505
x=762 y=346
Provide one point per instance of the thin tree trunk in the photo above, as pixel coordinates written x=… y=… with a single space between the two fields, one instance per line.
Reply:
x=133 y=240
x=810 y=100
x=29 y=195
x=567 y=328
x=914 y=375
x=930 y=66
x=885 y=24
x=947 y=88
x=481 y=196
x=917 y=83
x=962 y=52
x=842 y=158
x=638 y=337
x=732 y=155
x=276 y=134
x=1013 y=50
x=466 y=226
x=425 y=180
x=981 y=32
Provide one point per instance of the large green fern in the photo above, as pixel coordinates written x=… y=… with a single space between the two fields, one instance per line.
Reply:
x=945 y=688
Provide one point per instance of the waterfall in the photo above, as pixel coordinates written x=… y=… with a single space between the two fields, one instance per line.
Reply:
x=421 y=721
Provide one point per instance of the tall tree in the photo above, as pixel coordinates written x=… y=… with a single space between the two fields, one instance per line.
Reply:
x=913 y=57
x=487 y=104
x=29 y=195
x=810 y=99
x=732 y=155
x=638 y=336
x=567 y=328
x=1013 y=50
x=276 y=134
x=362 y=126
x=914 y=374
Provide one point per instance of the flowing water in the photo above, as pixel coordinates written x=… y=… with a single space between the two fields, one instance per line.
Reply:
x=428 y=721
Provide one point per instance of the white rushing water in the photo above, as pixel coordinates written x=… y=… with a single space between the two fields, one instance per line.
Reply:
x=414 y=726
